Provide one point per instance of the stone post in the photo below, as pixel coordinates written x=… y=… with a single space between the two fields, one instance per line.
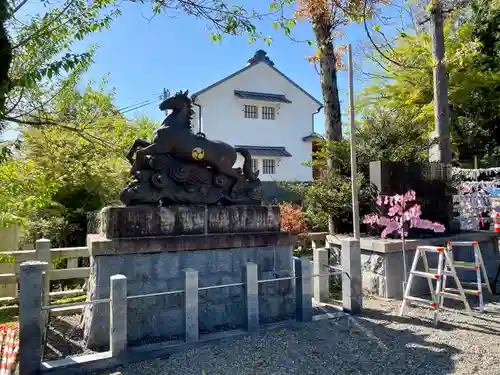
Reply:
x=42 y=247
x=321 y=284
x=118 y=316
x=192 y=332
x=31 y=326
x=303 y=290
x=252 y=297
x=352 y=293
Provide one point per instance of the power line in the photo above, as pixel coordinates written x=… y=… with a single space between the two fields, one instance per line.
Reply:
x=141 y=104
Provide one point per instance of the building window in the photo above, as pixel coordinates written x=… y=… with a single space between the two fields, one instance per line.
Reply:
x=268 y=166
x=255 y=165
x=251 y=111
x=268 y=113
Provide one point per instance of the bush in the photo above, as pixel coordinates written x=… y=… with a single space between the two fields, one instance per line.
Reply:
x=292 y=219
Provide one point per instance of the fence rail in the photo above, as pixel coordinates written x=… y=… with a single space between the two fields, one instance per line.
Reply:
x=11 y=260
x=10 y=270
x=32 y=306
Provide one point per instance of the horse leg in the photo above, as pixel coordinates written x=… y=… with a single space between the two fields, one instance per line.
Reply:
x=140 y=155
x=225 y=165
x=137 y=143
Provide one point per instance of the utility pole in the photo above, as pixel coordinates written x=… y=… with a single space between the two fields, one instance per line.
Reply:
x=354 y=169
x=442 y=151
x=166 y=94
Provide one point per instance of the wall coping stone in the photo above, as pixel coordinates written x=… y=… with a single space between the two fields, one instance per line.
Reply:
x=385 y=246
x=99 y=245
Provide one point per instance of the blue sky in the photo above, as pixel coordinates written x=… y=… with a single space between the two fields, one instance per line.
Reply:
x=143 y=56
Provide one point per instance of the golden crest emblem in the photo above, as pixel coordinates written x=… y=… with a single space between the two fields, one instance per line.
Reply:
x=198 y=153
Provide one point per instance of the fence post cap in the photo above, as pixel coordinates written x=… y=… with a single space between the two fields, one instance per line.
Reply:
x=118 y=277
x=349 y=240
x=33 y=265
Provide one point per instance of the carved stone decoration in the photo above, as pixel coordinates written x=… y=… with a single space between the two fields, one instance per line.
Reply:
x=180 y=167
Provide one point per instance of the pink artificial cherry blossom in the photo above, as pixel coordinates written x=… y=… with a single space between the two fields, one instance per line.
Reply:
x=402 y=210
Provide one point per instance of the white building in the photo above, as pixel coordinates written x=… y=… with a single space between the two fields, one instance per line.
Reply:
x=261 y=109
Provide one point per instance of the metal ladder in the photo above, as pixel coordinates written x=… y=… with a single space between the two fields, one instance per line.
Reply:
x=445 y=268
x=477 y=265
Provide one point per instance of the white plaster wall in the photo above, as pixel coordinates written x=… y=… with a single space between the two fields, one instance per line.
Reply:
x=223 y=119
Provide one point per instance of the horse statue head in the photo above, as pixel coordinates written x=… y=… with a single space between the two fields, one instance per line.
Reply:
x=181 y=106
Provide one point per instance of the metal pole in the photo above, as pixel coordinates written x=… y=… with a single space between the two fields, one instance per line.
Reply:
x=354 y=168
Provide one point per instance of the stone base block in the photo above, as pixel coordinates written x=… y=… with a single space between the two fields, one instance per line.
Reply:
x=148 y=221
x=161 y=317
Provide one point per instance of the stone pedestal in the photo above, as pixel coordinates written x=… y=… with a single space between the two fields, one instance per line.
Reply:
x=152 y=247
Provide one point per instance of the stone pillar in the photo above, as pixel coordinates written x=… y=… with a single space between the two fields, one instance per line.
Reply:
x=118 y=316
x=30 y=323
x=191 y=305
x=303 y=290
x=321 y=284
x=352 y=292
x=252 y=297
x=43 y=255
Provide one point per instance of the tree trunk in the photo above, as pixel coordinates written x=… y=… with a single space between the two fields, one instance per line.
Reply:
x=5 y=58
x=441 y=107
x=328 y=79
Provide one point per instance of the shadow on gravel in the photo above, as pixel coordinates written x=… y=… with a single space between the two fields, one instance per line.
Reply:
x=64 y=338
x=487 y=322
x=444 y=324
x=345 y=345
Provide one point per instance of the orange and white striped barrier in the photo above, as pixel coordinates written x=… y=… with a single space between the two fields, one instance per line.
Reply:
x=497 y=223
x=9 y=341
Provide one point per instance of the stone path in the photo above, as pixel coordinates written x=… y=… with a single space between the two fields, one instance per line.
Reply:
x=375 y=342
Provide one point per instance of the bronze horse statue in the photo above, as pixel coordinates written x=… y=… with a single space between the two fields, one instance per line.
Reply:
x=175 y=138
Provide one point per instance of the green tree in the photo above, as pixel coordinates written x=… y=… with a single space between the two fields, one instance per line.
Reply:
x=406 y=86
x=382 y=134
x=36 y=52
x=81 y=160
x=25 y=189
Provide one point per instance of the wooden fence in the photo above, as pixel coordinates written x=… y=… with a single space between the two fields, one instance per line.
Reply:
x=10 y=262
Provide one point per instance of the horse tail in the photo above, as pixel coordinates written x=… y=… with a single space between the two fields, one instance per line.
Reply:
x=247 y=164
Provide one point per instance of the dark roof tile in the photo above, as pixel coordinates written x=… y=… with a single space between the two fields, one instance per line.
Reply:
x=277 y=98
x=270 y=151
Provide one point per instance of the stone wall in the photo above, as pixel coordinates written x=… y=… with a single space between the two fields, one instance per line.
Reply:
x=382 y=261
x=223 y=308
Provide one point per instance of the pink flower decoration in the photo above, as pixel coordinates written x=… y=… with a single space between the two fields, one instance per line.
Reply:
x=402 y=209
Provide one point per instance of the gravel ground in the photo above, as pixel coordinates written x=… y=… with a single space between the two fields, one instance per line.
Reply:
x=377 y=341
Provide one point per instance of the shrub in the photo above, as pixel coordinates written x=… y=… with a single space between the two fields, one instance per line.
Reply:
x=292 y=219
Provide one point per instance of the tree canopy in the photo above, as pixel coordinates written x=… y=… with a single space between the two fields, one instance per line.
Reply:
x=62 y=172
x=405 y=85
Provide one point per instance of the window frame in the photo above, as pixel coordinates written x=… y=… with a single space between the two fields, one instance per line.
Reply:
x=251 y=114
x=266 y=168
x=268 y=112
x=255 y=167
